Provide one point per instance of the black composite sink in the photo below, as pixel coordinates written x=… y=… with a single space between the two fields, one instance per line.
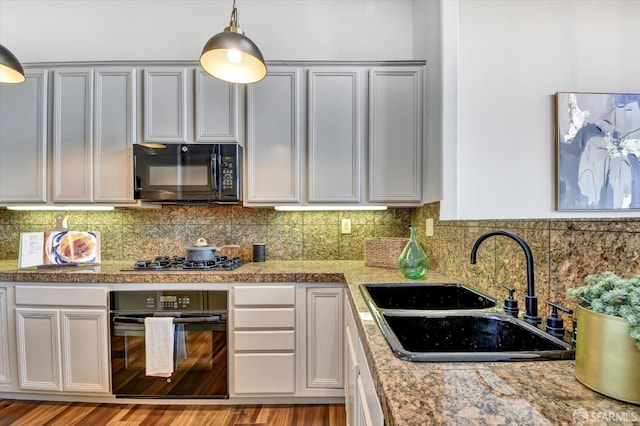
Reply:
x=468 y=336
x=425 y=296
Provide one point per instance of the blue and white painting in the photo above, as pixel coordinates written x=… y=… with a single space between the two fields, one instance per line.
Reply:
x=598 y=149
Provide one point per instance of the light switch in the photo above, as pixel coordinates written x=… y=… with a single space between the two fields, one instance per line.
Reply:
x=429 y=227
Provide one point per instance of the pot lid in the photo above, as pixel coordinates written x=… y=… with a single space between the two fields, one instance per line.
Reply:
x=201 y=244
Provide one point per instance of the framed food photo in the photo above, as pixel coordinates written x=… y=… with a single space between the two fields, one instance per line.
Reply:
x=597 y=151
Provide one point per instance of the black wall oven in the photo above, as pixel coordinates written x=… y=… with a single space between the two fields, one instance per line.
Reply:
x=200 y=343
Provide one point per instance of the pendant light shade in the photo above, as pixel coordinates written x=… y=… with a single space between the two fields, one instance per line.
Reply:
x=232 y=56
x=10 y=69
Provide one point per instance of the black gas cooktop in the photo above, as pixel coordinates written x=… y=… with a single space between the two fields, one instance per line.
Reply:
x=180 y=263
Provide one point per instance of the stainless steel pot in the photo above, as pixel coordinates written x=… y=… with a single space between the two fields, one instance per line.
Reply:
x=203 y=252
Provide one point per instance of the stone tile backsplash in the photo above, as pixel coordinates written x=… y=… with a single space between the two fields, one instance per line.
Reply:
x=145 y=233
x=565 y=252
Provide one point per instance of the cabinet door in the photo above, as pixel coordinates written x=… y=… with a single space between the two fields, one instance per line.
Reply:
x=23 y=139
x=351 y=366
x=114 y=134
x=368 y=405
x=5 y=372
x=216 y=109
x=38 y=342
x=72 y=135
x=335 y=134
x=273 y=139
x=395 y=135
x=165 y=105
x=85 y=355
x=324 y=334
x=264 y=373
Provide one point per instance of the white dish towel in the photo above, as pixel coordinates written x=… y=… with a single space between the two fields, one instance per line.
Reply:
x=159 y=346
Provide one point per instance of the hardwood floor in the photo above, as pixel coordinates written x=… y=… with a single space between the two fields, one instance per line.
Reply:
x=39 y=413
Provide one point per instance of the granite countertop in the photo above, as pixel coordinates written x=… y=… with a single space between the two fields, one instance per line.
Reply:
x=411 y=393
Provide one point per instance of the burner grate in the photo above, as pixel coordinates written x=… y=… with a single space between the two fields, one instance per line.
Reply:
x=176 y=263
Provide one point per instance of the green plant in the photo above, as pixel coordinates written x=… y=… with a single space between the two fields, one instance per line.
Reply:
x=610 y=294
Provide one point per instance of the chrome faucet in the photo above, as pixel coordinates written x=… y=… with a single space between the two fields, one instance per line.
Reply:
x=531 y=301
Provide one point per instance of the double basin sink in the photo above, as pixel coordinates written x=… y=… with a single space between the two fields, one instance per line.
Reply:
x=452 y=323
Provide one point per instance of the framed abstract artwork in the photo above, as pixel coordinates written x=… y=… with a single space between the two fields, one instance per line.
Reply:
x=597 y=151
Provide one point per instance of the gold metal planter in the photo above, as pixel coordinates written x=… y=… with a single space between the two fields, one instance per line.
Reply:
x=607 y=358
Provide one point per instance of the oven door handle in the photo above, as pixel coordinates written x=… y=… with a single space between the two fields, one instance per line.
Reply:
x=177 y=320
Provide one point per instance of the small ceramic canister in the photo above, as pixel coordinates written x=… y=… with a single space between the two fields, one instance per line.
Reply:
x=259 y=252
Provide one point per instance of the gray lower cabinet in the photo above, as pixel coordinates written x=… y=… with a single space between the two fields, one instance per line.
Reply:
x=361 y=400
x=23 y=139
x=62 y=347
x=94 y=128
x=322 y=341
x=263 y=340
x=5 y=360
x=186 y=104
x=294 y=329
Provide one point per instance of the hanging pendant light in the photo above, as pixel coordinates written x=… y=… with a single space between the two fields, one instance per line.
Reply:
x=231 y=56
x=10 y=69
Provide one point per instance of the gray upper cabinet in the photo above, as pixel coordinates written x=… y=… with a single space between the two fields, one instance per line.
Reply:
x=165 y=105
x=23 y=139
x=273 y=139
x=335 y=134
x=362 y=142
x=185 y=105
x=395 y=135
x=72 y=135
x=94 y=116
x=114 y=134
x=216 y=109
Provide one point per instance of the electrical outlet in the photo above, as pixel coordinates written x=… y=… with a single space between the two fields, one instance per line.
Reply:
x=346 y=226
x=429 y=227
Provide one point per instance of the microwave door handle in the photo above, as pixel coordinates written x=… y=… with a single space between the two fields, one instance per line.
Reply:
x=215 y=174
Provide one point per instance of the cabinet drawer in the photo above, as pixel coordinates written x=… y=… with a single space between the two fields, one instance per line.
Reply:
x=264 y=295
x=264 y=373
x=61 y=296
x=264 y=318
x=268 y=340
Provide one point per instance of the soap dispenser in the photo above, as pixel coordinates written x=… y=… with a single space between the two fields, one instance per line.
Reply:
x=510 y=304
x=555 y=324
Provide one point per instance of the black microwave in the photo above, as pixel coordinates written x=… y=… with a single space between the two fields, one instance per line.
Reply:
x=187 y=173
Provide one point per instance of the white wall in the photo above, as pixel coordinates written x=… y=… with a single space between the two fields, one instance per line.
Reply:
x=507 y=60
x=103 y=30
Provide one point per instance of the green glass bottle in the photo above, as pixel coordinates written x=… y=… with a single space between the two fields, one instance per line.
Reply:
x=413 y=261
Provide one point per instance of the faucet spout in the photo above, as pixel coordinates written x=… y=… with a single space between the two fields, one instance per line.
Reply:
x=531 y=301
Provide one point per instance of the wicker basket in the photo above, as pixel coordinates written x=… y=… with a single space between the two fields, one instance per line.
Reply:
x=383 y=252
